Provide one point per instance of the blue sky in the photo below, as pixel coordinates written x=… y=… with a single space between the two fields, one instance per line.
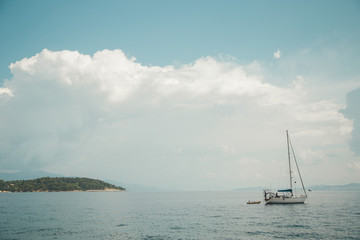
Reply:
x=164 y=32
x=214 y=77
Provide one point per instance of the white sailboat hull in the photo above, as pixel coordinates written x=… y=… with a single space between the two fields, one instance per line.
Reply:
x=290 y=200
x=286 y=196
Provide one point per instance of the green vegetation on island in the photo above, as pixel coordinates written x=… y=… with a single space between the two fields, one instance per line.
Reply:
x=56 y=184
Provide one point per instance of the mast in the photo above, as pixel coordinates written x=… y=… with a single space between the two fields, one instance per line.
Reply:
x=288 y=146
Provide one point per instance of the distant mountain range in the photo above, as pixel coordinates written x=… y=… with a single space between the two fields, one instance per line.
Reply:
x=26 y=175
x=137 y=187
x=346 y=187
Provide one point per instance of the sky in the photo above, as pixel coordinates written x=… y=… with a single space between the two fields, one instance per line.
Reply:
x=181 y=95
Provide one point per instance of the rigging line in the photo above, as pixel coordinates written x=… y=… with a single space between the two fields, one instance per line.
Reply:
x=288 y=140
x=292 y=149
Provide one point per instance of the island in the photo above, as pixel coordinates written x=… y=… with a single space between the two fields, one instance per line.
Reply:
x=57 y=184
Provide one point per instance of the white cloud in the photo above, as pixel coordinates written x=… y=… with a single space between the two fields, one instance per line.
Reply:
x=108 y=115
x=277 y=54
x=355 y=165
x=311 y=157
x=6 y=91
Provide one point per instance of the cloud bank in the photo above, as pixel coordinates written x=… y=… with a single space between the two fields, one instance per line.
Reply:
x=210 y=122
x=352 y=112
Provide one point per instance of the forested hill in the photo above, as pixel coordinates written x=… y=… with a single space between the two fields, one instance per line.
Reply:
x=56 y=184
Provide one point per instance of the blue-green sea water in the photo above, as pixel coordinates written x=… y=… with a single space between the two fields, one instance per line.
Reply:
x=176 y=215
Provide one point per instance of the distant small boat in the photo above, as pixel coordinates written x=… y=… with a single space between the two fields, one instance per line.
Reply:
x=253 y=202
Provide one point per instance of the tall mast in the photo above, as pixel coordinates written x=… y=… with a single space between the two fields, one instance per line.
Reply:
x=288 y=146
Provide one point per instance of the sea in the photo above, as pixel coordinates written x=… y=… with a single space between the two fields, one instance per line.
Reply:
x=176 y=215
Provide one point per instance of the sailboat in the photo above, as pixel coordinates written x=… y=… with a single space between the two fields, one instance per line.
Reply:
x=286 y=196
